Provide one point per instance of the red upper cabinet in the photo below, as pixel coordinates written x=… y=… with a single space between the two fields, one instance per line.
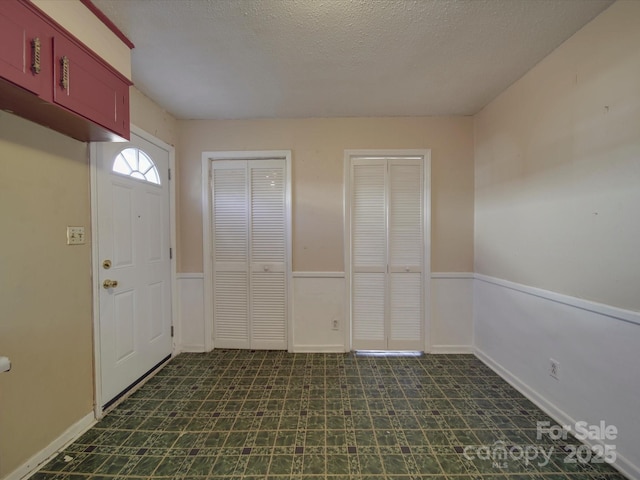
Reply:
x=87 y=87
x=25 y=44
x=42 y=64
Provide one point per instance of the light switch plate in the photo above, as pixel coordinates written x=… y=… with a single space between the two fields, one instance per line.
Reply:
x=75 y=235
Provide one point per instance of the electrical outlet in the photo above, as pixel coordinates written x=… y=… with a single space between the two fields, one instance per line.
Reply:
x=75 y=235
x=335 y=325
x=554 y=368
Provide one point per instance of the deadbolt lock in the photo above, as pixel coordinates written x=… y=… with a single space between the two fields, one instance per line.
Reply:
x=110 y=284
x=106 y=264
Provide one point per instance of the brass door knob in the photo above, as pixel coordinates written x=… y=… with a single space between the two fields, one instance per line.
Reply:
x=110 y=284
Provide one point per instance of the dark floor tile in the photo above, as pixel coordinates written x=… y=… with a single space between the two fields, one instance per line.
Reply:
x=260 y=415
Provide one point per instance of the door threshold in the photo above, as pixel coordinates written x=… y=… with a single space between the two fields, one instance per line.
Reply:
x=388 y=353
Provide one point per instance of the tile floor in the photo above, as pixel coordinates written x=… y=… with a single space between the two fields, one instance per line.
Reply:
x=272 y=415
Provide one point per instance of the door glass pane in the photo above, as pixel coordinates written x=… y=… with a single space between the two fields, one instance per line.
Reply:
x=135 y=163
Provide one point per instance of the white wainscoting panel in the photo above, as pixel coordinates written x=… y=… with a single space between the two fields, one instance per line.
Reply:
x=190 y=329
x=518 y=329
x=451 y=312
x=318 y=300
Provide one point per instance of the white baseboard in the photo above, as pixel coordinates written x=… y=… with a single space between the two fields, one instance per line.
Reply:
x=192 y=349
x=318 y=349
x=519 y=329
x=562 y=418
x=437 y=349
x=540 y=401
x=68 y=436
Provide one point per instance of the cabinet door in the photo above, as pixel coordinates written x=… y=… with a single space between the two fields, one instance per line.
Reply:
x=20 y=33
x=87 y=87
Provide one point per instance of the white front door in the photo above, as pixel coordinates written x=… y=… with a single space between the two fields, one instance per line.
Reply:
x=134 y=279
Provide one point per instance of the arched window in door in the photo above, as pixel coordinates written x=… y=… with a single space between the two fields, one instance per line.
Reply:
x=134 y=163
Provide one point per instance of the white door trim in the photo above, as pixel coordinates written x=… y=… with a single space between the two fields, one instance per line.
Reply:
x=207 y=158
x=425 y=154
x=95 y=261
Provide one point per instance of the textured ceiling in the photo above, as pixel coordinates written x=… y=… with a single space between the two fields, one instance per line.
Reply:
x=212 y=59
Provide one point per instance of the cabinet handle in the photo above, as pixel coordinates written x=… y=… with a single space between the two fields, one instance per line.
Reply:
x=64 y=73
x=35 y=55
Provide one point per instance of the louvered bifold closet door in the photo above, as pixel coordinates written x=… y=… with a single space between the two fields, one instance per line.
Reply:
x=230 y=197
x=369 y=254
x=268 y=255
x=406 y=247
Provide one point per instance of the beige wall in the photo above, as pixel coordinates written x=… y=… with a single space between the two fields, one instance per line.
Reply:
x=558 y=168
x=45 y=289
x=318 y=151
x=146 y=114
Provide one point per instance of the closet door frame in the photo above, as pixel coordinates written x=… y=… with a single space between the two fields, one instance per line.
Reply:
x=425 y=154
x=207 y=233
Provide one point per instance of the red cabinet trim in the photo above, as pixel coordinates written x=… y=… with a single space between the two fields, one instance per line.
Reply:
x=108 y=23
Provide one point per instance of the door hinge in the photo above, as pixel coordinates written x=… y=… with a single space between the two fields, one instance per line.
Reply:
x=171 y=331
x=169 y=174
x=170 y=253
